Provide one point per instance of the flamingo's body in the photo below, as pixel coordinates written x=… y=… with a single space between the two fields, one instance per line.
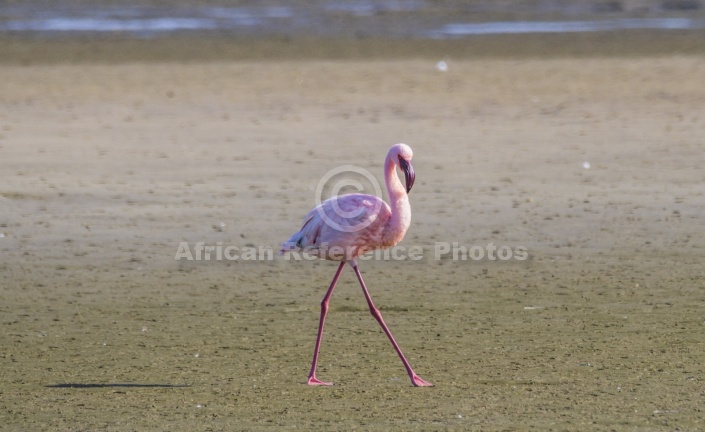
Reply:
x=344 y=227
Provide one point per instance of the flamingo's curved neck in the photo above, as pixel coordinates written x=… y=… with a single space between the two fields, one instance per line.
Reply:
x=398 y=202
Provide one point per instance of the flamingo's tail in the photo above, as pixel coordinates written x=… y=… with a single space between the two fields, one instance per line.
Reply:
x=294 y=243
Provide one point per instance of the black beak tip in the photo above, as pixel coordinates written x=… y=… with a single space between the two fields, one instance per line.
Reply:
x=409 y=174
x=410 y=181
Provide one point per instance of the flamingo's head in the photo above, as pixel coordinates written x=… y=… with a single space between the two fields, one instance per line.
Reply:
x=404 y=155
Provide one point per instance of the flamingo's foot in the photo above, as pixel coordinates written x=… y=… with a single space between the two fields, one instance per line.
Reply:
x=313 y=381
x=418 y=382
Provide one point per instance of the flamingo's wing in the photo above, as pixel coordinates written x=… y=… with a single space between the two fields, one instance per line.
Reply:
x=353 y=213
x=338 y=221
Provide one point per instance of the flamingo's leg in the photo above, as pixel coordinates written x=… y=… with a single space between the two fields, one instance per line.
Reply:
x=312 y=380
x=415 y=379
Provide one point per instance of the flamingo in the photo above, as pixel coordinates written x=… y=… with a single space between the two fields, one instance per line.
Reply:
x=346 y=226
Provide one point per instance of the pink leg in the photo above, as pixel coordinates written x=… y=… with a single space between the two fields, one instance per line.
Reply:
x=415 y=380
x=312 y=380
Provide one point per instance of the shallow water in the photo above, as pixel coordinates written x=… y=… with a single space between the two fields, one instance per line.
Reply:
x=394 y=18
x=519 y=27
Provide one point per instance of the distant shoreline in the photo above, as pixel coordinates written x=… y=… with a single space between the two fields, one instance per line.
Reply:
x=148 y=27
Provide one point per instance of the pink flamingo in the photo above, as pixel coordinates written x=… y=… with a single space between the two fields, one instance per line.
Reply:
x=344 y=227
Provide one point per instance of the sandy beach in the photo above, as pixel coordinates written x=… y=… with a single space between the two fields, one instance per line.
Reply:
x=590 y=159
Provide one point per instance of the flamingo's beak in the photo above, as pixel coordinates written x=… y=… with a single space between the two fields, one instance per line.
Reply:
x=409 y=174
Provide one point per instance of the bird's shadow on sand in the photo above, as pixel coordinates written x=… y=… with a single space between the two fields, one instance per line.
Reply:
x=114 y=385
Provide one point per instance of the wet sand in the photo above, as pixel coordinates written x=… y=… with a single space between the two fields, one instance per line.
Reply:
x=107 y=166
